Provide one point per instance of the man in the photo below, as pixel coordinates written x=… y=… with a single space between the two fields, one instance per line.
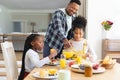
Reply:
x=57 y=32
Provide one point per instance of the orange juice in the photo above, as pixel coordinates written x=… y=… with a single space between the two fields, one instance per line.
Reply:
x=62 y=63
x=68 y=54
x=79 y=59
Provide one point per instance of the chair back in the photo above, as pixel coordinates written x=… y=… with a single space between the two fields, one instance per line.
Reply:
x=10 y=60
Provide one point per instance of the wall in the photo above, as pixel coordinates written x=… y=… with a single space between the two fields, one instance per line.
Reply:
x=41 y=20
x=5 y=20
x=98 y=11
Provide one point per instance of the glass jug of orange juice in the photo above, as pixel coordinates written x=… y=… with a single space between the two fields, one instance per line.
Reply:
x=62 y=62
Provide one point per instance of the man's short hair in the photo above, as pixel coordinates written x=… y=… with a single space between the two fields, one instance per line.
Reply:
x=76 y=1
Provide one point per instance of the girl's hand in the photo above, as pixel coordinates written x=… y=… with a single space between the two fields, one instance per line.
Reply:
x=53 y=53
x=87 y=55
x=84 y=56
x=90 y=57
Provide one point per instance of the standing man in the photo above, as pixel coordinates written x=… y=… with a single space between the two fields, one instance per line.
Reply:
x=57 y=32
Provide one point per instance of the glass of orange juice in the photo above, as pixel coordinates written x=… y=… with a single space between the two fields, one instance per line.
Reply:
x=62 y=63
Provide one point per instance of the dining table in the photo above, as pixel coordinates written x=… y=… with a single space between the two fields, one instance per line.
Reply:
x=109 y=74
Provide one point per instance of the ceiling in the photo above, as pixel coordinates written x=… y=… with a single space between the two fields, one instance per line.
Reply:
x=34 y=4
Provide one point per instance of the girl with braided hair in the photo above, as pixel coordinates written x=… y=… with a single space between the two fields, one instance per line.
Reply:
x=30 y=58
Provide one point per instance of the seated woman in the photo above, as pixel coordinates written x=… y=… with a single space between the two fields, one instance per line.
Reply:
x=30 y=58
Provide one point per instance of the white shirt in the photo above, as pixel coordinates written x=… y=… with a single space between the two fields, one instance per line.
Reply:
x=78 y=45
x=69 y=20
x=32 y=60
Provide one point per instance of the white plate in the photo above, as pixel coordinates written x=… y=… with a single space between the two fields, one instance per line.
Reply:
x=76 y=68
x=55 y=64
x=36 y=75
x=70 y=61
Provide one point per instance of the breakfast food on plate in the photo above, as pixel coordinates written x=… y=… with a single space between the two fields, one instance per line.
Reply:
x=95 y=66
x=52 y=72
x=43 y=73
x=82 y=66
x=53 y=61
x=47 y=72
x=71 y=63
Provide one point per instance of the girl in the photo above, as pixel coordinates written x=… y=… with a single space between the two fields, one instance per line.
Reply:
x=78 y=42
x=30 y=59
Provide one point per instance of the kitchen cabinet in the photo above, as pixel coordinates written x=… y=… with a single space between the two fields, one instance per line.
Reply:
x=18 y=39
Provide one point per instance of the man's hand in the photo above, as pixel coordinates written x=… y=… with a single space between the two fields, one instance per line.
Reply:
x=66 y=43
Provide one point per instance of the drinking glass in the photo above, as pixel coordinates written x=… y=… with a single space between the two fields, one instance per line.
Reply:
x=62 y=61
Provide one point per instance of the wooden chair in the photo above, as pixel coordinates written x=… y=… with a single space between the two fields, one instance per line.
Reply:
x=10 y=60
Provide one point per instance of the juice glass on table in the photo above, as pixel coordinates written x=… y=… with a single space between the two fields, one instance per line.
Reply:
x=62 y=62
